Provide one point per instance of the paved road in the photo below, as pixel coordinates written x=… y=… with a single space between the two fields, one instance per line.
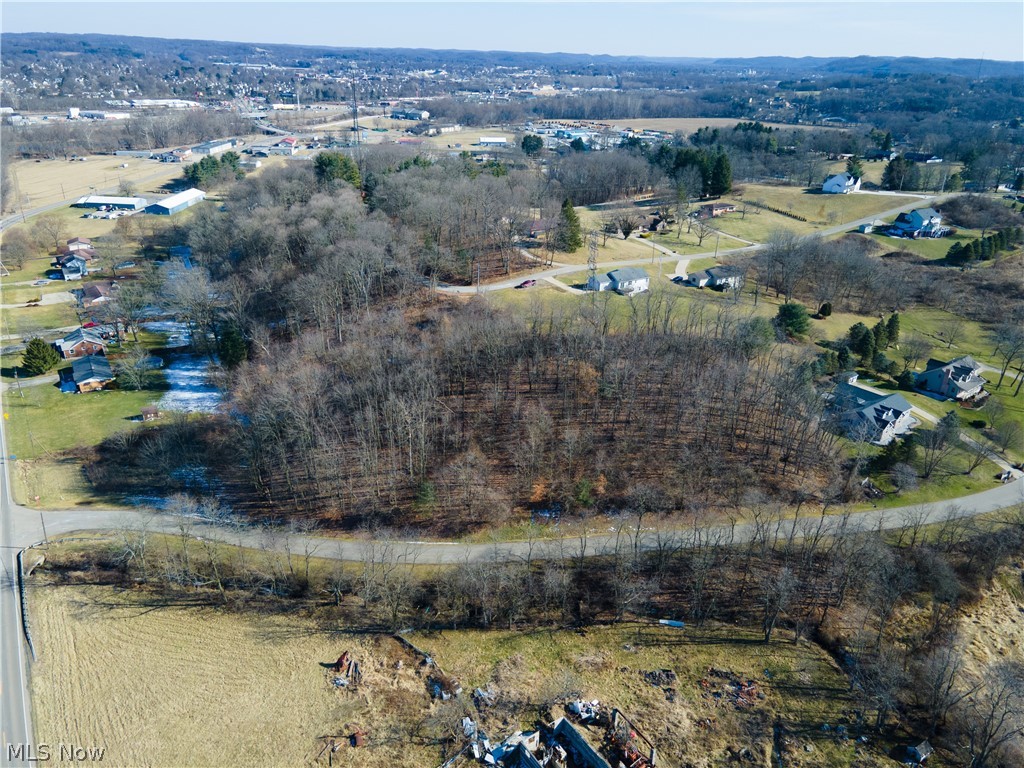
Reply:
x=15 y=708
x=668 y=255
x=21 y=527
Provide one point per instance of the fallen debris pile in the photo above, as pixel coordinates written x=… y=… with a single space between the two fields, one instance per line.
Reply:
x=725 y=687
x=345 y=672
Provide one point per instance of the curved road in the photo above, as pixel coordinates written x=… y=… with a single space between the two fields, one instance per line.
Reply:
x=21 y=527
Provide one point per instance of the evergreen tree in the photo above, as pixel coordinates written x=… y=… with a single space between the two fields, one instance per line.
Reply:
x=955 y=254
x=986 y=249
x=900 y=174
x=893 y=328
x=825 y=310
x=793 y=319
x=568 y=236
x=578 y=145
x=39 y=357
x=862 y=342
x=531 y=144
x=232 y=348
x=335 y=166
x=887 y=142
x=881 y=334
x=844 y=358
x=721 y=175
x=854 y=168
x=1018 y=183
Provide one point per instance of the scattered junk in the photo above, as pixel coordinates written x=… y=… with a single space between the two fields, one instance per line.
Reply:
x=358 y=737
x=585 y=711
x=672 y=623
x=627 y=745
x=664 y=679
x=485 y=697
x=919 y=752
x=724 y=687
x=346 y=672
x=439 y=684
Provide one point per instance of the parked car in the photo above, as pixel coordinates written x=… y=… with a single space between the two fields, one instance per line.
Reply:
x=41 y=282
x=527 y=284
x=678 y=279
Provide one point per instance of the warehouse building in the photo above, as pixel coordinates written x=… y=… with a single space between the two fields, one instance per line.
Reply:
x=177 y=203
x=213 y=147
x=102 y=202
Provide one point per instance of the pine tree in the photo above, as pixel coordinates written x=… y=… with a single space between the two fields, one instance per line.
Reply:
x=844 y=358
x=232 y=348
x=854 y=168
x=881 y=334
x=893 y=327
x=955 y=254
x=568 y=236
x=862 y=341
x=887 y=142
x=721 y=175
x=39 y=357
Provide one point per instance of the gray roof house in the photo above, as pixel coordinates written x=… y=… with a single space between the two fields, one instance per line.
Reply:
x=921 y=222
x=869 y=416
x=958 y=379
x=723 y=276
x=73 y=267
x=629 y=281
x=92 y=372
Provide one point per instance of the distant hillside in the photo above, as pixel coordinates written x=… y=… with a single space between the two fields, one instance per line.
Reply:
x=20 y=45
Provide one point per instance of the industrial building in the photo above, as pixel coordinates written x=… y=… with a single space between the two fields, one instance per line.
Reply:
x=213 y=147
x=110 y=203
x=177 y=203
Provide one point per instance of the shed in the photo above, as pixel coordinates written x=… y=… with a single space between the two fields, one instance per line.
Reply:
x=919 y=752
x=113 y=203
x=150 y=413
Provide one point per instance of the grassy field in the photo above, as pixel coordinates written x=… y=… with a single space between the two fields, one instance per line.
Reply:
x=819 y=209
x=39 y=421
x=165 y=685
x=690 y=125
x=49 y=181
x=37 y=320
x=933 y=249
x=802 y=686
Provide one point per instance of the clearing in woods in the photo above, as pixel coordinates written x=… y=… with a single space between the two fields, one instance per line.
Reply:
x=165 y=684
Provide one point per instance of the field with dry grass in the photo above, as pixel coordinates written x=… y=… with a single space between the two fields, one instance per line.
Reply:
x=187 y=684
x=180 y=685
x=690 y=125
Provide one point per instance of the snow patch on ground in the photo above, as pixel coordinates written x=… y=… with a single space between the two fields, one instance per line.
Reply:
x=190 y=387
x=177 y=333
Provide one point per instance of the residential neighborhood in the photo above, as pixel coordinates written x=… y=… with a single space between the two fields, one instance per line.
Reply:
x=405 y=396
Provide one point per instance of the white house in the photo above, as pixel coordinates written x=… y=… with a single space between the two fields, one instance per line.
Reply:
x=871 y=417
x=724 y=277
x=841 y=184
x=958 y=379
x=922 y=222
x=629 y=281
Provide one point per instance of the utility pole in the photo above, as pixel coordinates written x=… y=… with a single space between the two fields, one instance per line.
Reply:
x=592 y=265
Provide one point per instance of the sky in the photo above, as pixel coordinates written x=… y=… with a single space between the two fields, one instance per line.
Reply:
x=727 y=28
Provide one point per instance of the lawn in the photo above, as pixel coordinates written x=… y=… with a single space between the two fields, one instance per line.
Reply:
x=819 y=209
x=23 y=293
x=931 y=248
x=167 y=685
x=38 y=320
x=41 y=418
